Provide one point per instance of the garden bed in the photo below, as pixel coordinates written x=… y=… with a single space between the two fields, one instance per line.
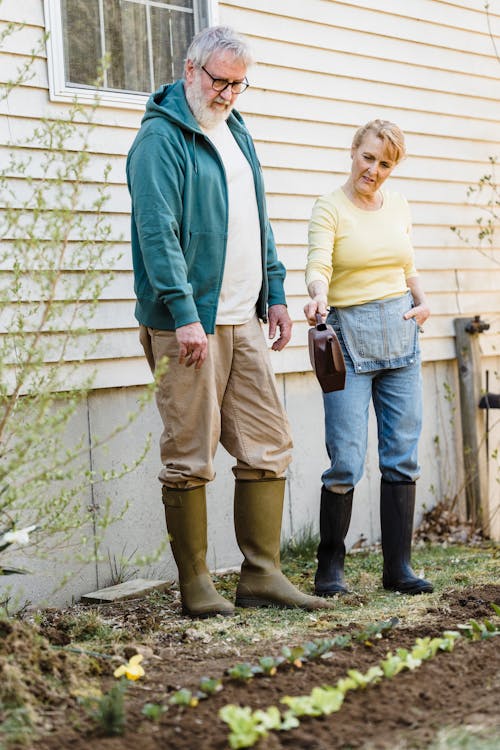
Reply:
x=451 y=694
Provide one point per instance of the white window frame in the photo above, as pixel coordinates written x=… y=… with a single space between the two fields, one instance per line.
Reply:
x=59 y=91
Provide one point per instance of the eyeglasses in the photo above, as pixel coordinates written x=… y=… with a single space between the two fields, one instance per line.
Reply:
x=220 y=84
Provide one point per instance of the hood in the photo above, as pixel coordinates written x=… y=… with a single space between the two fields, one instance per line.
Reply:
x=170 y=101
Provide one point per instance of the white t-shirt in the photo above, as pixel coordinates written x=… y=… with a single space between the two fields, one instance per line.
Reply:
x=242 y=277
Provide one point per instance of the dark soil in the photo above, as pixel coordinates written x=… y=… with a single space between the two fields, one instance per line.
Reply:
x=453 y=689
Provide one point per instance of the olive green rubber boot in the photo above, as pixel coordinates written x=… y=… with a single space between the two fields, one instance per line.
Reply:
x=258 y=510
x=186 y=516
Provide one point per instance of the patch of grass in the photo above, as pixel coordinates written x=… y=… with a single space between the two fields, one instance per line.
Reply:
x=467 y=738
x=89 y=626
x=17 y=727
x=458 y=566
x=301 y=548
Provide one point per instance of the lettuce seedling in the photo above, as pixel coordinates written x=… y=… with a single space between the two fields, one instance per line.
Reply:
x=302 y=705
x=184 y=697
x=269 y=665
x=209 y=686
x=294 y=655
x=328 y=699
x=319 y=649
x=374 y=631
x=153 y=711
x=363 y=680
x=246 y=729
x=243 y=672
x=392 y=665
x=477 y=631
x=411 y=662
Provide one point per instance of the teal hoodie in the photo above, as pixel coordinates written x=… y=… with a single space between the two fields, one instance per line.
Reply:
x=180 y=216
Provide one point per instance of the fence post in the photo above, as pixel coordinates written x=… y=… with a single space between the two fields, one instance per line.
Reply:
x=467 y=332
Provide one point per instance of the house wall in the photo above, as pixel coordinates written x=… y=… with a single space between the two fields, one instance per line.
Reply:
x=323 y=68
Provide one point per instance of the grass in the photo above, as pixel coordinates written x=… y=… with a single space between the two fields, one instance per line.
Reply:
x=466 y=738
x=452 y=566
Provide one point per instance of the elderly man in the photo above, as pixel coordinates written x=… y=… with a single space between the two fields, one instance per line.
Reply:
x=206 y=270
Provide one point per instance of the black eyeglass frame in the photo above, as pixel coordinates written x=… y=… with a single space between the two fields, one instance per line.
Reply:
x=239 y=84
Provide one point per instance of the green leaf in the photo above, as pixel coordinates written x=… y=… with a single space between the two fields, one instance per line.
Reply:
x=328 y=699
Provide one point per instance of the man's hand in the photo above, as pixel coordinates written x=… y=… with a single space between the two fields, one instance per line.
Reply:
x=193 y=345
x=279 y=318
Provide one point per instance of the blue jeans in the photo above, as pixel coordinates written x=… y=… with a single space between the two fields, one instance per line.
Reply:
x=397 y=399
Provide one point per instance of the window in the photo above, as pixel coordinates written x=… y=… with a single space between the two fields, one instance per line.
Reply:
x=144 y=40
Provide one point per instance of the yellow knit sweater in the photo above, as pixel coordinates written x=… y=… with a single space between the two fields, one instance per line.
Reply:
x=361 y=255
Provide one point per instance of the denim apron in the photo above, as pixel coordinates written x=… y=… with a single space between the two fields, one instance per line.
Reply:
x=376 y=335
x=382 y=357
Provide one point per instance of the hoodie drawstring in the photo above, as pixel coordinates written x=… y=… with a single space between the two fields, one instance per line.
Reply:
x=195 y=158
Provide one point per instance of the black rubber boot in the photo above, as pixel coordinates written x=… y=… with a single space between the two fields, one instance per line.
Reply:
x=334 y=519
x=397 y=507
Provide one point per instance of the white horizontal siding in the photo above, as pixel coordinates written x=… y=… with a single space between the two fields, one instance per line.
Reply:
x=323 y=68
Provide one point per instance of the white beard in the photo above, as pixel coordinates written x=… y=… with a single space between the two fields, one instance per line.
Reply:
x=207 y=117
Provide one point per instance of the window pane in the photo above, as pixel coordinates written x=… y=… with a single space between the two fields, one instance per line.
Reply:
x=146 y=41
x=82 y=43
x=126 y=42
x=171 y=33
x=178 y=3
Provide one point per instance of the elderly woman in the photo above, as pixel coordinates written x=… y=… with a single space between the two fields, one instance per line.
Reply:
x=361 y=274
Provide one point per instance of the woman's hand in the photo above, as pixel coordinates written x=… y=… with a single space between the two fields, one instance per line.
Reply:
x=318 y=304
x=421 y=310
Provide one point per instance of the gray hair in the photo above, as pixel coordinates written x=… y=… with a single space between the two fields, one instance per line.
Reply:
x=215 y=38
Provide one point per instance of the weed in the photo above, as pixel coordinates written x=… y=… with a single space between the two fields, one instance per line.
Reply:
x=108 y=710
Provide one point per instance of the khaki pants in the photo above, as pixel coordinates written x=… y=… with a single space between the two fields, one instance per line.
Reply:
x=232 y=399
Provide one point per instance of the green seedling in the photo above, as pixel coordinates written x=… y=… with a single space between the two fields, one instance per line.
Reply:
x=363 y=680
x=375 y=631
x=448 y=640
x=328 y=699
x=245 y=730
x=319 y=649
x=153 y=711
x=184 y=697
x=294 y=655
x=209 y=686
x=269 y=719
x=411 y=662
x=345 y=684
x=269 y=665
x=248 y=727
x=243 y=672
x=392 y=665
x=302 y=705
x=478 y=631
x=342 y=641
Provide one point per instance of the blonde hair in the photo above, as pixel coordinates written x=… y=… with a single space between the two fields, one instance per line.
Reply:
x=388 y=132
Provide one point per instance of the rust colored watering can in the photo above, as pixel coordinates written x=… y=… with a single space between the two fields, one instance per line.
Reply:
x=326 y=356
